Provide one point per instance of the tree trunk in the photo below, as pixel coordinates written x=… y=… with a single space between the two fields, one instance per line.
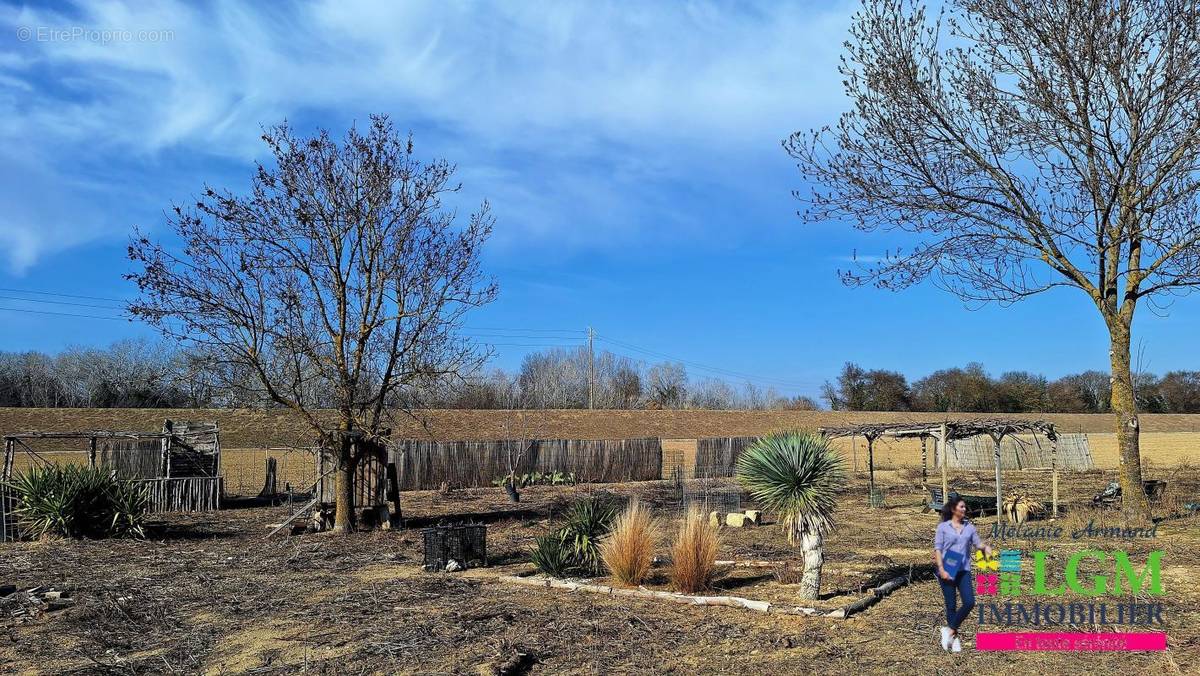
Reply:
x=343 y=515
x=814 y=558
x=1124 y=406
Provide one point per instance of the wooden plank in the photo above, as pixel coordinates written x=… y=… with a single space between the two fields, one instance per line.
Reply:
x=303 y=510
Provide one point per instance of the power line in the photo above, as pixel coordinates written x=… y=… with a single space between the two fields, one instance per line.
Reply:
x=64 y=314
x=535 y=345
x=60 y=302
x=517 y=328
x=63 y=295
x=706 y=367
x=517 y=335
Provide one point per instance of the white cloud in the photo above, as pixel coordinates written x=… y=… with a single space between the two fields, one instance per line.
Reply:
x=633 y=91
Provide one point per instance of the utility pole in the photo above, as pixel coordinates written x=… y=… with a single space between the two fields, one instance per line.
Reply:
x=591 y=369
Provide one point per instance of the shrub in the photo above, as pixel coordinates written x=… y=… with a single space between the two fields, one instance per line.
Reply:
x=552 y=554
x=78 y=502
x=694 y=554
x=628 y=551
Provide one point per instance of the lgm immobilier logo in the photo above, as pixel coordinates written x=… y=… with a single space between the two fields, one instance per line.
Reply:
x=1016 y=591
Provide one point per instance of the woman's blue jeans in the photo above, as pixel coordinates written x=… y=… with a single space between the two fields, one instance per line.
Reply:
x=961 y=583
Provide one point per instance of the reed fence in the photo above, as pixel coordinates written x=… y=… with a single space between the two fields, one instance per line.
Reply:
x=185 y=494
x=717 y=456
x=425 y=465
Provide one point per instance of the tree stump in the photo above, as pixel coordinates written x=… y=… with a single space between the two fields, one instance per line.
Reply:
x=270 y=486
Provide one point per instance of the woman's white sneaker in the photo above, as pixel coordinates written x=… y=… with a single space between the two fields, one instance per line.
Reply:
x=946 y=638
x=956 y=647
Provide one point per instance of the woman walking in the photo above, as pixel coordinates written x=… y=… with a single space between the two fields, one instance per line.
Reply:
x=952 y=546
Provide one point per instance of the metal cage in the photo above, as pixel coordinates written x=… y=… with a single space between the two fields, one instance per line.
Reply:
x=465 y=544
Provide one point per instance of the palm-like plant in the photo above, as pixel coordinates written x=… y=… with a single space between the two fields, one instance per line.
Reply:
x=797 y=476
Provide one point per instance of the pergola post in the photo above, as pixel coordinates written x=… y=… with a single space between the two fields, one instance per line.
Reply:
x=924 y=459
x=871 y=460
x=874 y=497
x=8 y=459
x=999 y=498
x=943 y=442
x=1054 y=477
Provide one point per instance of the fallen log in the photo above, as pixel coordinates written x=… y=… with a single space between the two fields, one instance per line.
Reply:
x=673 y=597
x=874 y=597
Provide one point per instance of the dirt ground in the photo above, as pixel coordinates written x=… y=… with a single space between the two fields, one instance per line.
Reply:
x=208 y=593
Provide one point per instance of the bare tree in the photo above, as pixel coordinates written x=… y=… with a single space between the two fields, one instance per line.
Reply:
x=668 y=385
x=1028 y=145
x=340 y=277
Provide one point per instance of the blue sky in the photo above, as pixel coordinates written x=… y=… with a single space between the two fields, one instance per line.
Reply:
x=630 y=153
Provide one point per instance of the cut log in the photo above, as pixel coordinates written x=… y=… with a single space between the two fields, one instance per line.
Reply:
x=874 y=597
x=270 y=487
x=673 y=597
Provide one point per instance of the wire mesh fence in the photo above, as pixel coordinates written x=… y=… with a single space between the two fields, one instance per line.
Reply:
x=246 y=474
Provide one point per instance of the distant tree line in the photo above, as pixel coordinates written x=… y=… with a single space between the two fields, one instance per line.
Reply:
x=973 y=389
x=144 y=374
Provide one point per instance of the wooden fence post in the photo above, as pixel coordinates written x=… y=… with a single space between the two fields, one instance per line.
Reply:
x=999 y=498
x=943 y=441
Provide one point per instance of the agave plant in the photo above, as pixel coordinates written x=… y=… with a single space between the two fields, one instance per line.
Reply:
x=77 y=502
x=796 y=475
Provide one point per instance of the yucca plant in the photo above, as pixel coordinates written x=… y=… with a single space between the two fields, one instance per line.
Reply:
x=77 y=502
x=576 y=545
x=796 y=475
x=628 y=551
x=552 y=554
x=586 y=523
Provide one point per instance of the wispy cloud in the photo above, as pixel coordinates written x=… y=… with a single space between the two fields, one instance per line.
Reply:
x=554 y=109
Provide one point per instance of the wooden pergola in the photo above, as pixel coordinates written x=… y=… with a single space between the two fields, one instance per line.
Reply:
x=943 y=433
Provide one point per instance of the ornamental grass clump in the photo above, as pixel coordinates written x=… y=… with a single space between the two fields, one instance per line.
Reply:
x=78 y=502
x=694 y=554
x=798 y=476
x=628 y=551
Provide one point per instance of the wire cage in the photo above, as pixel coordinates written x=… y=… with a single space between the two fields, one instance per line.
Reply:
x=723 y=500
x=465 y=544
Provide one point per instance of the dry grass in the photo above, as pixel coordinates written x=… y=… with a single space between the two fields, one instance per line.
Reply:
x=694 y=554
x=628 y=552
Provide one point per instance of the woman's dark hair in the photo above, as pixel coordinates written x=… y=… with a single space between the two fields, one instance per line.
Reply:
x=950 y=506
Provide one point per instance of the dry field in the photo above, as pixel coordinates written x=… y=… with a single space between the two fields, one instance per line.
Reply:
x=266 y=428
x=249 y=437
x=208 y=594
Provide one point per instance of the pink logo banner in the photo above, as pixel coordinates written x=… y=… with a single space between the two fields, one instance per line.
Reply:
x=1087 y=641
